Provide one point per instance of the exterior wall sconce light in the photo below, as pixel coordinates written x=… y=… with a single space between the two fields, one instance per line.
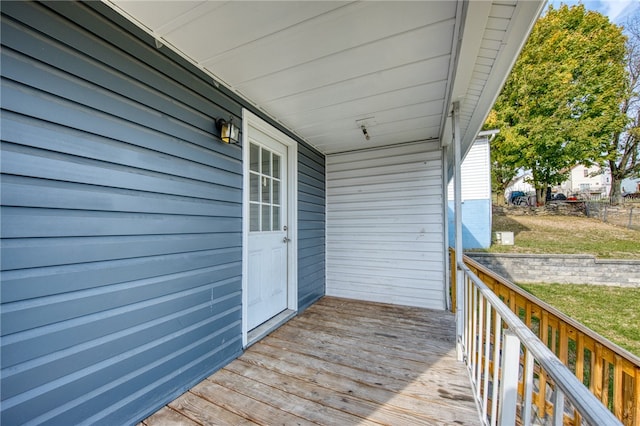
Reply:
x=228 y=131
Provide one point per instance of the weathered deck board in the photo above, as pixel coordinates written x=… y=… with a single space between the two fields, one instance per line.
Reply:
x=341 y=362
x=205 y=412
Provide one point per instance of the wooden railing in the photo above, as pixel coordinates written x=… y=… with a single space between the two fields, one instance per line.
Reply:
x=611 y=373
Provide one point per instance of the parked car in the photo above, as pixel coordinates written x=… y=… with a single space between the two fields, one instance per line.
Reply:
x=516 y=196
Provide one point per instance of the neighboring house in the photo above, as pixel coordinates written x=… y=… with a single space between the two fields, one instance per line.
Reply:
x=476 y=196
x=630 y=185
x=521 y=183
x=592 y=181
x=140 y=253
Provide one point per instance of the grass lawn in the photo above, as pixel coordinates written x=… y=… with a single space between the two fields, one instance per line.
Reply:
x=567 y=235
x=613 y=312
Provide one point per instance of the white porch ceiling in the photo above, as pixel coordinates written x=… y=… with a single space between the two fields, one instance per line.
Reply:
x=318 y=67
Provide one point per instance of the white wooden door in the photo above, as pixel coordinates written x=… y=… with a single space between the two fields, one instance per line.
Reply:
x=268 y=238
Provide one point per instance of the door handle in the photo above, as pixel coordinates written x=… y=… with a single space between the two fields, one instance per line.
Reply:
x=286 y=240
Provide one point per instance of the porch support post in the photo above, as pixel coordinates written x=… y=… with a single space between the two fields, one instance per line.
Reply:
x=447 y=257
x=457 y=191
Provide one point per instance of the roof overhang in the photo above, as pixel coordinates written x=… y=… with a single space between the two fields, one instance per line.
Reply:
x=323 y=69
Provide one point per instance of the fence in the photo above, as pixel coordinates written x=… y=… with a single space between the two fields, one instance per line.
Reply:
x=553 y=346
x=626 y=214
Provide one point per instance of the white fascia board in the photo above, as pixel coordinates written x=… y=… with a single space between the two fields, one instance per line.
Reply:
x=522 y=22
x=520 y=26
x=473 y=21
x=473 y=30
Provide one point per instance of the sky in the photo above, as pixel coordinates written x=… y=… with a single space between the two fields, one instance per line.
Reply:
x=616 y=10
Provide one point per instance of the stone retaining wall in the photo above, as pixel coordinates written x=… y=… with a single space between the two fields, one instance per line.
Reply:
x=626 y=215
x=563 y=269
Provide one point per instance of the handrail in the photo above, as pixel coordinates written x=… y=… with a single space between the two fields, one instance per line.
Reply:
x=567 y=385
x=611 y=373
x=477 y=267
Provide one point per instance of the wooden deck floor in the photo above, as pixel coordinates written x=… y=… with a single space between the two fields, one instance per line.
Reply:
x=341 y=362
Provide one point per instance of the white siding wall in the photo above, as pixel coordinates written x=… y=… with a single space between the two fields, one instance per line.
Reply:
x=385 y=225
x=595 y=182
x=476 y=173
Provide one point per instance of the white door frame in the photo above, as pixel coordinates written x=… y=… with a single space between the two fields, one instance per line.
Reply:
x=251 y=120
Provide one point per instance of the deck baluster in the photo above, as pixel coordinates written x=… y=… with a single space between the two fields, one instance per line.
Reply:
x=509 y=365
x=487 y=356
x=528 y=388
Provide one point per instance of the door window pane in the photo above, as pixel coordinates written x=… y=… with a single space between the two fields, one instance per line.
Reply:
x=266 y=162
x=266 y=218
x=266 y=190
x=254 y=187
x=254 y=158
x=254 y=217
x=276 y=166
x=276 y=218
x=276 y=192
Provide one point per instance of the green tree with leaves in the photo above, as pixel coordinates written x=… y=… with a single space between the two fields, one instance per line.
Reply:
x=623 y=153
x=560 y=106
x=503 y=160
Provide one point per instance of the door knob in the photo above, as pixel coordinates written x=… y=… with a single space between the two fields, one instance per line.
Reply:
x=286 y=240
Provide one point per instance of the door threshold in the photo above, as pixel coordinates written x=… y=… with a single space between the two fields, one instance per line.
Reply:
x=267 y=327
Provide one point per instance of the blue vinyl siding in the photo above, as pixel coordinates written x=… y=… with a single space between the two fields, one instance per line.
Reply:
x=311 y=226
x=121 y=220
x=476 y=224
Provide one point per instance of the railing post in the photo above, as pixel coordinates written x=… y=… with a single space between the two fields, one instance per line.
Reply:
x=510 y=365
x=558 y=407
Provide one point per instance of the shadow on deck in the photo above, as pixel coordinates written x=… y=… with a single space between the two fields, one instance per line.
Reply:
x=340 y=362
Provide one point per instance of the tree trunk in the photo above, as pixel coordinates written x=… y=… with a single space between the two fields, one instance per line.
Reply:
x=615 y=194
x=541 y=196
x=500 y=191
